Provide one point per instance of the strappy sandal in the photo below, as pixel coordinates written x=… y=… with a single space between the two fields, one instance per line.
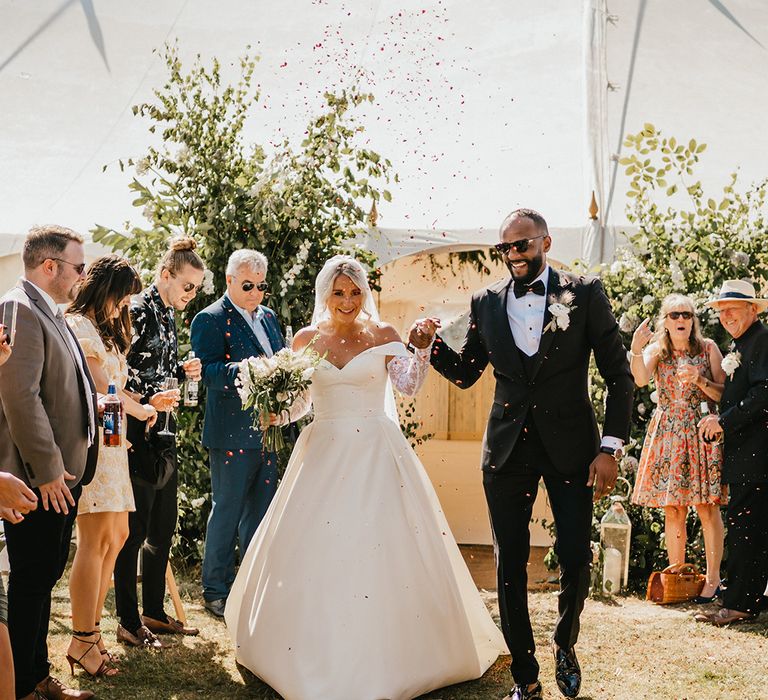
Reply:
x=108 y=655
x=104 y=668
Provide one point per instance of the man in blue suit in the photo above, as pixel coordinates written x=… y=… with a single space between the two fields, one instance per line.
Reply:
x=243 y=478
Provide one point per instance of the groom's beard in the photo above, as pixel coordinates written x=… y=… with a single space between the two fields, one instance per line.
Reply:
x=527 y=274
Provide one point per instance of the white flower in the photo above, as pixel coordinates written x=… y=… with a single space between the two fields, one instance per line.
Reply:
x=648 y=299
x=149 y=211
x=641 y=409
x=207 y=286
x=630 y=464
x=293 y=224
x=197 y=502
x=560 y=308
x=731 y=362
x=626 y=323
x=676 y=273
x=655 y=396
x=182 y=156
x=142 y=166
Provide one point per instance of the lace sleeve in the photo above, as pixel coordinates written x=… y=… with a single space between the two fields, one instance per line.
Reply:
x=408 y=373
x=299 y=408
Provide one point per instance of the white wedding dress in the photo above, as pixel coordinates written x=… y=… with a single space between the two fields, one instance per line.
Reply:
x=353 y=587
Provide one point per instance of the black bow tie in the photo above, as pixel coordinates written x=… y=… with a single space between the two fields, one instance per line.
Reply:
x=521 y=289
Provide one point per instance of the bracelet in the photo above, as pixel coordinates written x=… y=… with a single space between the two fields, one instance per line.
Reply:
x=635 y=354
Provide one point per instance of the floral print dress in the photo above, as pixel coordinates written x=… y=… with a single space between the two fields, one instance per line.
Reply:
x=111 y=490
x=677 y=468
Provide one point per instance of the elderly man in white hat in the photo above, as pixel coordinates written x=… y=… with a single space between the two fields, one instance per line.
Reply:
x=743 y=425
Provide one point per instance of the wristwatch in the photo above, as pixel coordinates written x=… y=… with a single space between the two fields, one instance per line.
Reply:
x=616 y=453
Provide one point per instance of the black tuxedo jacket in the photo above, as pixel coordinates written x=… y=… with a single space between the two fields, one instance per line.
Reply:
x=555 y=388
x=744 y=411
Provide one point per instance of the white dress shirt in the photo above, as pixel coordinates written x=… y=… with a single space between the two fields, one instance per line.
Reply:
x=526 y=316
x=254 y=321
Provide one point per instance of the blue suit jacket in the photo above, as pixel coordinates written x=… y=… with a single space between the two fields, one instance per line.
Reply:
x=221 y=338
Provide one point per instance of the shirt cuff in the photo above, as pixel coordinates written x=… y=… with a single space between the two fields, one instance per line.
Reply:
x=613 y=442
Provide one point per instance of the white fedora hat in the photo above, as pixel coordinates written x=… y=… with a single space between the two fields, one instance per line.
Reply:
x=738 y=290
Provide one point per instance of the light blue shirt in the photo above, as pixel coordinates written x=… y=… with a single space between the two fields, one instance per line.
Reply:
x=254 y=322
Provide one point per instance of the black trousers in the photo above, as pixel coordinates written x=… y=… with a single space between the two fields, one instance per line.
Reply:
x=747 y=542
x=511 y=493
x=38 y=548
x=151 y=527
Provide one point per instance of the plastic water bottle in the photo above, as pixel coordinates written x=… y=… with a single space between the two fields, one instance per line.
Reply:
x=191 y=387
x=288 y=336
x=113 y=418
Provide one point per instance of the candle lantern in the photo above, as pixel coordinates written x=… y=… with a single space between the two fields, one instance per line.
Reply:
x=615 y=540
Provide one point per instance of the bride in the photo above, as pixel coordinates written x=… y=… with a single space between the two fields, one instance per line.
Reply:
x=353 y=587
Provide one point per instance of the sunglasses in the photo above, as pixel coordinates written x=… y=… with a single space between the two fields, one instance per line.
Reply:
x=517 y=246
x=248 y=286
x=189 y=286
x=79 y=267
x=674 y=315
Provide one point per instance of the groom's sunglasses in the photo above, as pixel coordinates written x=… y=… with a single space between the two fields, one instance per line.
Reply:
x=248 y=286
x=518 y=246
x=674 y=315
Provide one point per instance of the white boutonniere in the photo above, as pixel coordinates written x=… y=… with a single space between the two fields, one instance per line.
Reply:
x=731 y=362
x=560 y=308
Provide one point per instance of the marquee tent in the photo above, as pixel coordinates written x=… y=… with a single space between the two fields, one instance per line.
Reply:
x=482 y=107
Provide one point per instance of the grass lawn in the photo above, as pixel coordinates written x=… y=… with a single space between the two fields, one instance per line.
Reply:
x=630 y=649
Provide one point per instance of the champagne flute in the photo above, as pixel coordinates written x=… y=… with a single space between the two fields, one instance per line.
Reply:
x=168 y=385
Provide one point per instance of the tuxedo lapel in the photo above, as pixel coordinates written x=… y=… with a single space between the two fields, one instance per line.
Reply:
x=553 y=289
x=504 y=331
x=239 y=322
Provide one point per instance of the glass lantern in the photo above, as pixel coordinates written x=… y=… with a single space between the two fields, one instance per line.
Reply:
x=615 y=540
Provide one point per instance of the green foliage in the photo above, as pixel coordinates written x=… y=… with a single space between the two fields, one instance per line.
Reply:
x=687 y=242
x=299 y=205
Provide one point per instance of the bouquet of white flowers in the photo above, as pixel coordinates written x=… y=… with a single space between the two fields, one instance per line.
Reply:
x=272 y=385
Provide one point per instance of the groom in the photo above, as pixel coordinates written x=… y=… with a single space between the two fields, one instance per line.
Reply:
x=538 y=330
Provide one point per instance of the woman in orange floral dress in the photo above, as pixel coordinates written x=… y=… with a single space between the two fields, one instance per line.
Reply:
x=677 y=468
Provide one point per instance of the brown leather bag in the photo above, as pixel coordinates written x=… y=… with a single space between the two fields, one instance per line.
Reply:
x=678 y=583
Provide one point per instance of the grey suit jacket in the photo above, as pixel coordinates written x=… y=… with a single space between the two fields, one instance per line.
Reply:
x=43 y=411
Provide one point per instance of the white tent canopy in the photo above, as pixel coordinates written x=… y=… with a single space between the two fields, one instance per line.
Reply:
x=481 y=106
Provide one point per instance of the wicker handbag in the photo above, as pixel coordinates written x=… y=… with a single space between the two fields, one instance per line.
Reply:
x=678 y=583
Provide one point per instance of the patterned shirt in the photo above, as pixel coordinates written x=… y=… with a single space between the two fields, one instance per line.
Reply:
x=153 y=355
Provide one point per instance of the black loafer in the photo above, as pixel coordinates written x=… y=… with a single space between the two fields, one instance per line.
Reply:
x=521 y=692
x=567 y=671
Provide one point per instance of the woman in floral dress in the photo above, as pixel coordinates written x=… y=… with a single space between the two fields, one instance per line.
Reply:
x=677 y=468
x=99 y=319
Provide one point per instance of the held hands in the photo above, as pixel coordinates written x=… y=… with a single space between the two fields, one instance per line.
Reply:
x=641 y=337
x=193 y=369
x=16 y=498
x=56 y=493
x=165 y=400
x=602 y=475
x=710 y=428
x=422 y=332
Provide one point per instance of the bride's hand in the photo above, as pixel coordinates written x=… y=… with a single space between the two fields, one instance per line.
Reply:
x=422 y=332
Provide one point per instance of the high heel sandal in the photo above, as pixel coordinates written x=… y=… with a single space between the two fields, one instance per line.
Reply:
x=108 y=655
x=104 y=668
x=705 y=599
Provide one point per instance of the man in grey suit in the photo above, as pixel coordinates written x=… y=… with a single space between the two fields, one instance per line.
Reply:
x=48 y=416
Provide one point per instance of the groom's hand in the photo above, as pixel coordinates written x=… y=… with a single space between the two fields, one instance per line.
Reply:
x=602 y=475
x=422 y=331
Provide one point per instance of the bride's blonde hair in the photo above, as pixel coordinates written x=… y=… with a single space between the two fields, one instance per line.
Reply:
x=335 y=267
